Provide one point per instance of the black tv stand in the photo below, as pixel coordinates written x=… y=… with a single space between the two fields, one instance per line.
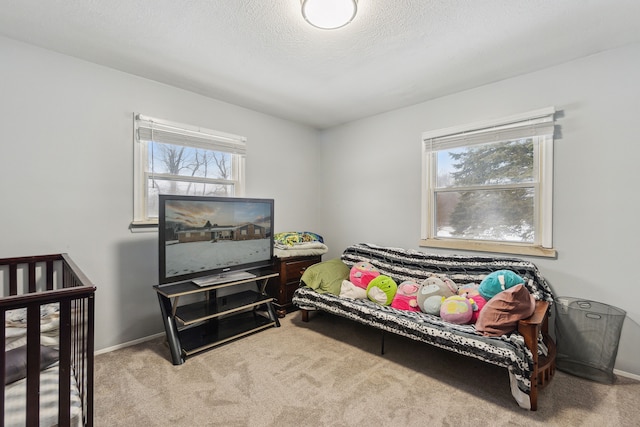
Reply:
x=214 y=320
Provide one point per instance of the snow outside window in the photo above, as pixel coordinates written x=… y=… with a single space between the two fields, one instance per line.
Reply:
x=488 y=186
x=174 y=158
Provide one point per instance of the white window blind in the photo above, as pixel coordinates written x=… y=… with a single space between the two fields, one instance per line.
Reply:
x=536 y=123
x=150 y=129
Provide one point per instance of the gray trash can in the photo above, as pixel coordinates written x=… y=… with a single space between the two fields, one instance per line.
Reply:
x=587 y=337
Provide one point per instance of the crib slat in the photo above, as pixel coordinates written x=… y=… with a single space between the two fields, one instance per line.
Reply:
x=64 y=387
x=13 y=279
x=49 y=275
x=33 y=364
x=90 y=316
x=32 y=277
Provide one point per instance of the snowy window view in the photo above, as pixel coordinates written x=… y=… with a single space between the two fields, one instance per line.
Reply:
x=179 y=159
x=490 y=183
x=189 y=171
x=486 y=192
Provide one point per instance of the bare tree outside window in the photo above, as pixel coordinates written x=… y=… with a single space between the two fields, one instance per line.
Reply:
x=177 y=169
x=182 y=159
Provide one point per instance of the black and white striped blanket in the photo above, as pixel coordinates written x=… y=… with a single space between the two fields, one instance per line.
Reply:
x=508 y=351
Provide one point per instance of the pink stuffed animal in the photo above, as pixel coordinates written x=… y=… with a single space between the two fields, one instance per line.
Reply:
x=406 y=297
x=362 y=273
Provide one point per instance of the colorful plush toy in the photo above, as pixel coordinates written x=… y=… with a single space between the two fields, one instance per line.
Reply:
x=362 y=273
x=432 y=305
x=406 y=297
x=497 y=282
x=456 y=309
x=479 y=303
x=381 y=290
x=469 y=289
x=435 y=286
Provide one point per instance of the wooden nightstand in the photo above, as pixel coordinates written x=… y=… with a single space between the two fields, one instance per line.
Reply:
x=282 y=287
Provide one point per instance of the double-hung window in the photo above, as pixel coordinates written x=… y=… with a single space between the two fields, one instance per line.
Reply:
x=488 y=186
x=174 y=158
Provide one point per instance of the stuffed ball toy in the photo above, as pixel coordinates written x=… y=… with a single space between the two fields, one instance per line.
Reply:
x=432 y=305
x=362 y=273
x=435 y=286
x=406 y=297
x=381 y=290
x=456 y=309
x=498 y=281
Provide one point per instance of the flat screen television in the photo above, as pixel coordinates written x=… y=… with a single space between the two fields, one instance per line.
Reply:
x=211 y=240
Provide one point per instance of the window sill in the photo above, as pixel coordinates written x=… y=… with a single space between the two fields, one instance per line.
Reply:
x=143 y=226
x=504 y=248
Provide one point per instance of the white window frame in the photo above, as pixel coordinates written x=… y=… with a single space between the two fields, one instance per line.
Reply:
x=540 y=121
x=191 y=136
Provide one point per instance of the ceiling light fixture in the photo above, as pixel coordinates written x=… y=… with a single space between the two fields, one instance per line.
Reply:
x=329 y=14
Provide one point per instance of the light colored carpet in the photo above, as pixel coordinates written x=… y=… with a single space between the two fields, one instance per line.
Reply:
x=329 y=372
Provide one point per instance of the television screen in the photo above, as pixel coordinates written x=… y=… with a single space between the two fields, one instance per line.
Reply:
x=209 y=237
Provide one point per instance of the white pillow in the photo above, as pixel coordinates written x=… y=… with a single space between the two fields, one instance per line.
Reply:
x=349 y=290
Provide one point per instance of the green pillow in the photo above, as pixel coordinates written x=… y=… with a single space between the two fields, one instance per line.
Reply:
x=327 y=276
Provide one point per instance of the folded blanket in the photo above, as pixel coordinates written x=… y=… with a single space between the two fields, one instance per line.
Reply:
x=313 y=248
x=294 y=238
x=306 y=245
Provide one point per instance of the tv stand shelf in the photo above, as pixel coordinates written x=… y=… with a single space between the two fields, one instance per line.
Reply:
x=213 y=320
x=203 y=310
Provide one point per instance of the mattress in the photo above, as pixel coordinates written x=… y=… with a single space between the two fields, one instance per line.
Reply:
x=16 y=395
x=16 y=326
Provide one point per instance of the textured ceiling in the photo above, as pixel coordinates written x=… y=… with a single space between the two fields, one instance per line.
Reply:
x=262 y=55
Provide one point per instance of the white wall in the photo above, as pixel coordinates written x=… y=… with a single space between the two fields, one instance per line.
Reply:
x=66 y=168
x=372 y=172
